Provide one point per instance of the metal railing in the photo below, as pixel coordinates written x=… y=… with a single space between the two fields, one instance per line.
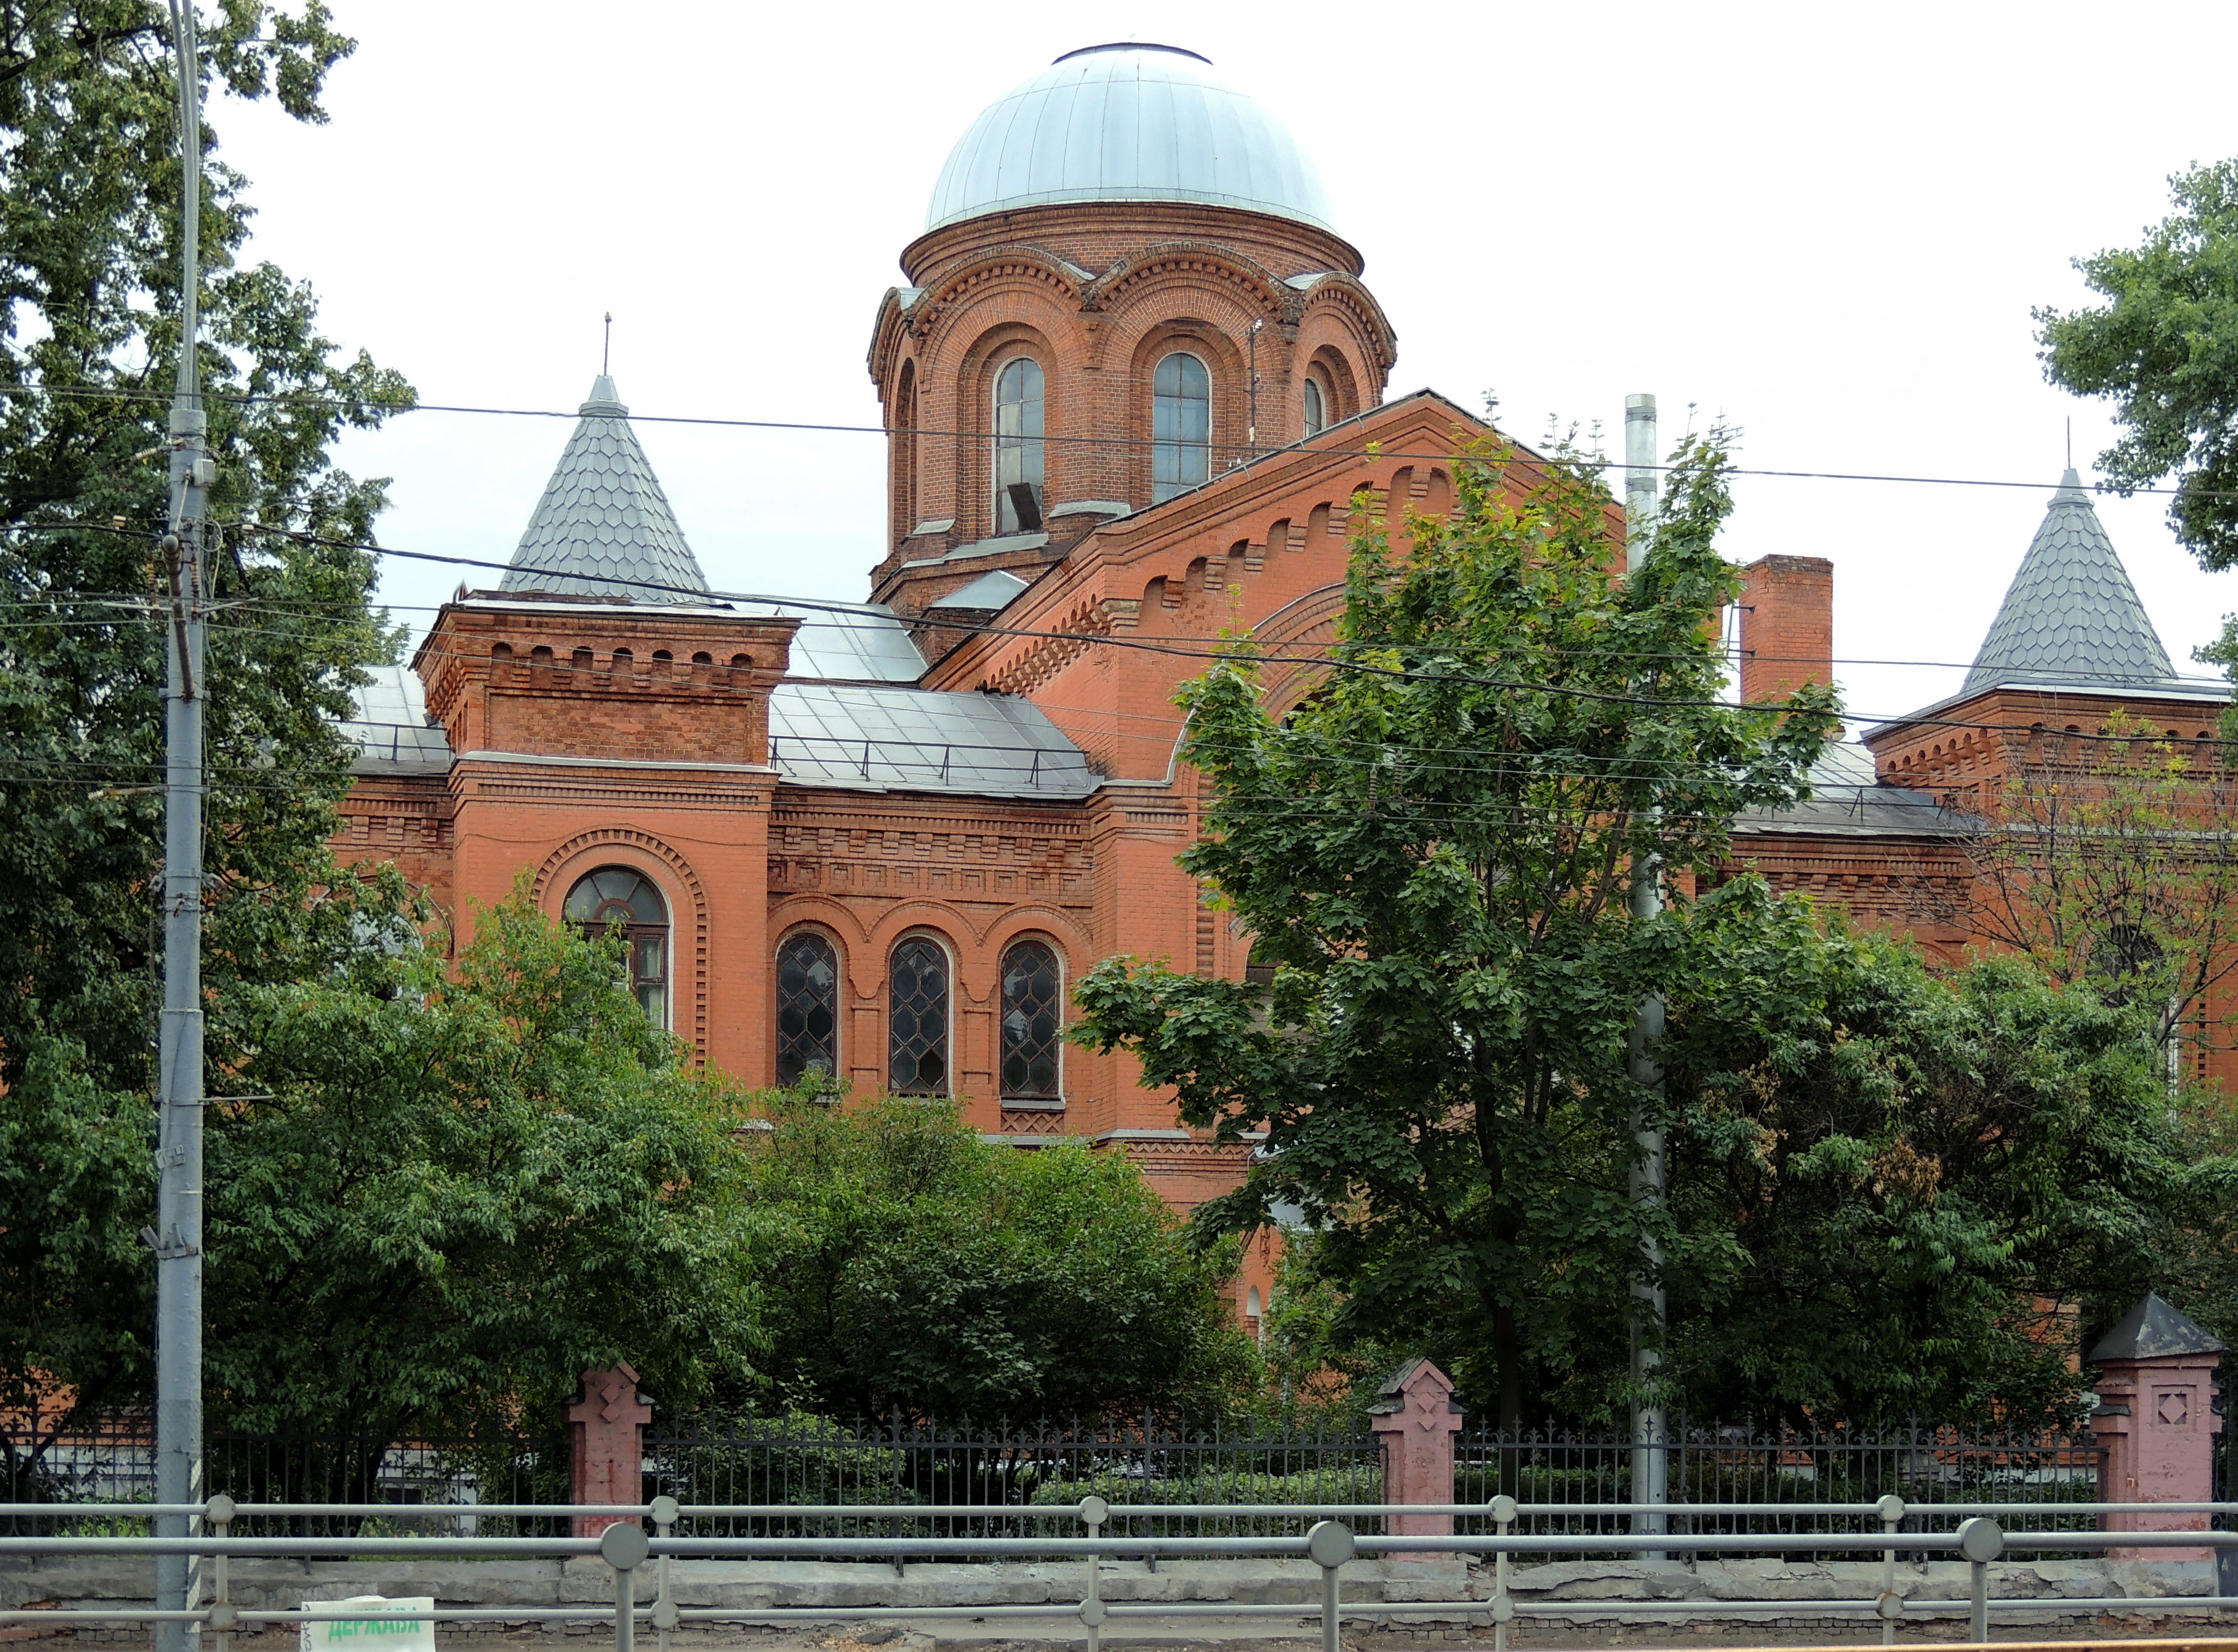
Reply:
x=1329 y=1543
x=1582 y=1482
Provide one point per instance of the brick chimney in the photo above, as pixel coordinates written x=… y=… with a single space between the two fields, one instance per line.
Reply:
x=1787 y=626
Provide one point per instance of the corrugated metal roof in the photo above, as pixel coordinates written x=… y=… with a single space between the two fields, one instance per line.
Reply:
x=897 y=739
x=391 y=727
x=2071 y=619
x=603 y=515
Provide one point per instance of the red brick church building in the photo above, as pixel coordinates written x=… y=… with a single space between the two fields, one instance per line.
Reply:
x=1132 y=382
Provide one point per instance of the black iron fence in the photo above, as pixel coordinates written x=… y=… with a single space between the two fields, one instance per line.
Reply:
x=1134 y=1463
x=1138 y=1465
x=112 y=1459
x=1763 y=1469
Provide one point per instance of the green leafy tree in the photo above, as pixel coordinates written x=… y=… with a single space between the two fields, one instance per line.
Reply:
x=2165 y=348
x=1910 y=1191
x=1436 y=849
x=90 y=182
x=460 y=1187
x=901 y=1262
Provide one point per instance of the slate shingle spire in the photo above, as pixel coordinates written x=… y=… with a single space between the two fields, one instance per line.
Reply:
x=603 y=514
x=2071 y=619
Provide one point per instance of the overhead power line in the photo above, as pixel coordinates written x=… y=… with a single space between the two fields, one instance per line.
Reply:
x=1255 y=453
x=1271 y=653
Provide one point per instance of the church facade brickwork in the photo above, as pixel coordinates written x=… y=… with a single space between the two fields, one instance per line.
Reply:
x=866 y=838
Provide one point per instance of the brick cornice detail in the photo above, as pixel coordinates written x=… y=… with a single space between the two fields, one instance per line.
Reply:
x=1071 y=637
x=1350 y=294
x=1277 y=297
x=989 y=271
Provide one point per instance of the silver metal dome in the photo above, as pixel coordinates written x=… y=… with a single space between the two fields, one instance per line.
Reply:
x=1127 y=122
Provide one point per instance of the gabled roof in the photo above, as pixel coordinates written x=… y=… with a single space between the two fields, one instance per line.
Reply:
x=2071 y=619
x=2154 y=1329
x=603 y=521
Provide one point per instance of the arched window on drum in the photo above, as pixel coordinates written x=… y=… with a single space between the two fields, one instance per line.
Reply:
x=1018 y=423
x=1181 y=426
x=1033 y=1017
x=622 y=895
x=807 y=1008
x=916 y=1018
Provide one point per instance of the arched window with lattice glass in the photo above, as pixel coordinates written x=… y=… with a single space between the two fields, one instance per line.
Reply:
x=1033 y=1014
x=807 y=1008
x=1018 y=397
x=622 y=895
x=916 y=1018
x=1181 y=426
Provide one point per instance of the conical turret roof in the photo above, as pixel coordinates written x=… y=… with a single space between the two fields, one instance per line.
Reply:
x=603 y=524
x=2071 y=619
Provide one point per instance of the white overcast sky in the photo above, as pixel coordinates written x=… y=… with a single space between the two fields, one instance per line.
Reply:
x=1827 y=224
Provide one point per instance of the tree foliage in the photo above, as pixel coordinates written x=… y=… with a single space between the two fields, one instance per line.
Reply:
x=1437 y=848
x=2165 y=348
x=1911 y=1194
x=900 y=1261
x=90 y=181
x=458 y=1188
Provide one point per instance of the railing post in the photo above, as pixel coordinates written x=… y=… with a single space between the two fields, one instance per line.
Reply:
x=1328 y=1545
x=1980 y=1541
x=665 y=1616
x=607 y=1462
x=623 y=1547
x=1502 y=1509
x=1891 y=1508
x=217 y=1515
x=1094 y=1511
x=1415 y=1416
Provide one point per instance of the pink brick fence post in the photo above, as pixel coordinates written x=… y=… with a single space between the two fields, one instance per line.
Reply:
x=608 y=1462
x=2155 y=1422
x=1415 y=1416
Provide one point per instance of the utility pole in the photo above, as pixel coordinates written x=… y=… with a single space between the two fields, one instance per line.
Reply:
x=177 y=1235
x=1651 y=1489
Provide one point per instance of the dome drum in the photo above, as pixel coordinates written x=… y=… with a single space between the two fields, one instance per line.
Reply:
x=1116 y=212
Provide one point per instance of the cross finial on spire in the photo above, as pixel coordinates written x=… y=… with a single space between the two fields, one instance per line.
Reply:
x=607 y=353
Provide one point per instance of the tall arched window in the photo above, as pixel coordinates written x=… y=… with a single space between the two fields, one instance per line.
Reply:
x=904 y=429
x=1033 y=1002
x=620 y=894
x=1316 y=407
x=1181 y=426
x=807 y=1007
x=1017 y=439
x=916 y=1018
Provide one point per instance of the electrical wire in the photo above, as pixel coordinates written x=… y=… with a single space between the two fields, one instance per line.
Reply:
x=1174 y=649
x=369 y=408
